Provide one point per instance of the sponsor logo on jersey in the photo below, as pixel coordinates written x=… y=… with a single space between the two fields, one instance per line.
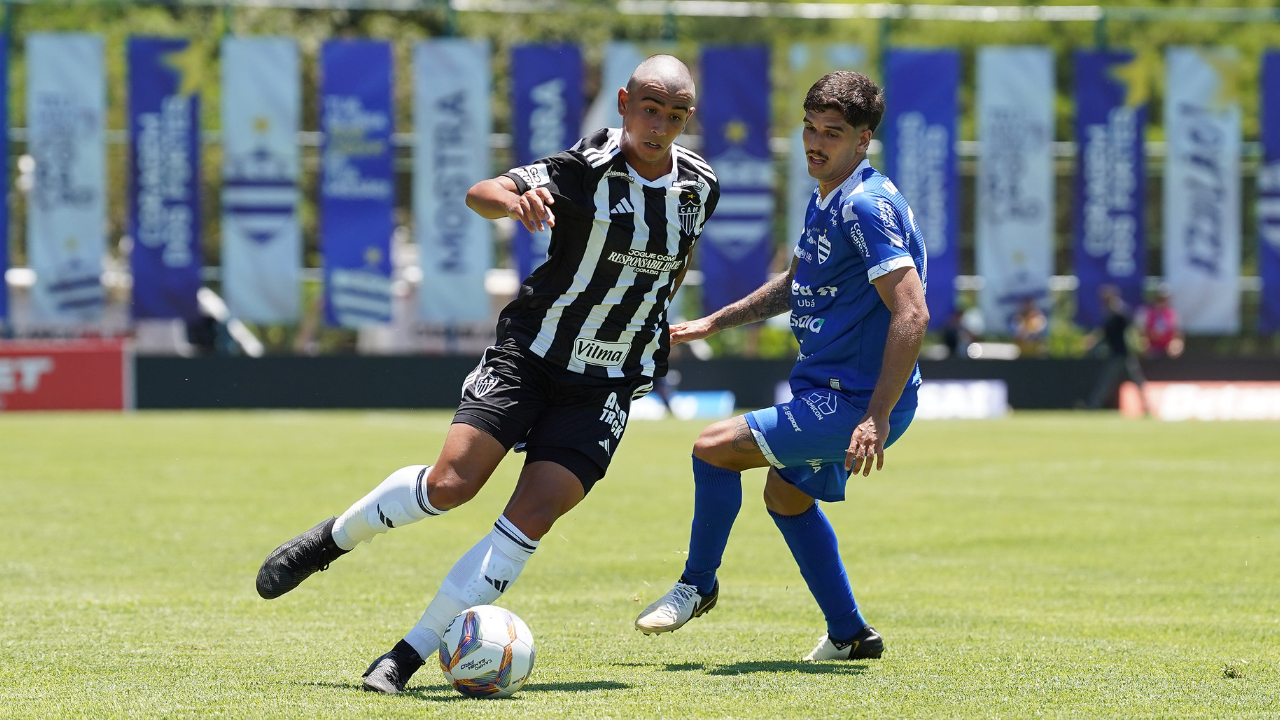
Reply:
x=534 y=176
x=887 y=217
x=807 y=290
x=614 y=416
x=690 y=209
x=598 y=352
x=645 y=262
x=822 y=403
x=824 y=248
x=859 y=241
x=611 y=173
x=605 y=444
x=815 y=464
x=624 y=207
x=812 y=323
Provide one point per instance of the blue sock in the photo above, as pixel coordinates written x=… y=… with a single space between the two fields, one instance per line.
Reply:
x=813 y=544
x=717 y=497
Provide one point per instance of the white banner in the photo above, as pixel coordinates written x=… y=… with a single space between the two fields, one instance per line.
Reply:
x=451 y=119
x=66 y=208
x=1015 y=208
x=261 y=237
x=1202 y=187
x=620 y=60
x=806 y=63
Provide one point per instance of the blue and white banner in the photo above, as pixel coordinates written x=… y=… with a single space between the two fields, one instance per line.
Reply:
x=735 y=247
x=261 y=236
x=4 y=193
x=1015 y=211
x=357 y=185
x=451 y=120
x=164 y=176
x=1269 y=195
x=67 y=205
x=806 y=63
x=919 y=131
x=1202 y=187
x=546 y=99
x=1110 y=185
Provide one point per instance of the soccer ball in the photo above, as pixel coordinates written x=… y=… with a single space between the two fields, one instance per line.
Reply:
x=486 y=652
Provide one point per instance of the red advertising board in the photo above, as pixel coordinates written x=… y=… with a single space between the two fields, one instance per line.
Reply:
x=66 y=375
x=1203 y=400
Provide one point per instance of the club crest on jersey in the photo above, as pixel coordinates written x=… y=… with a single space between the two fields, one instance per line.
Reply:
x=484 y=383
x=590 y=351
x=690 y=209
x=824 y=248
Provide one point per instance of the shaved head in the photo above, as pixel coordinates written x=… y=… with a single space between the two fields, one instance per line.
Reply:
x=666 y=72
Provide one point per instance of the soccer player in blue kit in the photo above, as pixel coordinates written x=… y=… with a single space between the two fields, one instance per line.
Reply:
x=856 y=295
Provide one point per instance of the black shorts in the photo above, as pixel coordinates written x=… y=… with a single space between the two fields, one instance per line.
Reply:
x=559 y=416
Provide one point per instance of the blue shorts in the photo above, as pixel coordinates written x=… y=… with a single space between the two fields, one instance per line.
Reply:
x=806 y=439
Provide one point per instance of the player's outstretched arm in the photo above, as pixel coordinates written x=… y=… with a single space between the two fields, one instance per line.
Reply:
x=772 y=298
x=497 y=198
x=903 y=293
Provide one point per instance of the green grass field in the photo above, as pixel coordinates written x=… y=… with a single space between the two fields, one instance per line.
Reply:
x=1059 y=565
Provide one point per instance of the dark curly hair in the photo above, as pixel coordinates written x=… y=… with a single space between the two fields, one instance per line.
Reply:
x=852 y=94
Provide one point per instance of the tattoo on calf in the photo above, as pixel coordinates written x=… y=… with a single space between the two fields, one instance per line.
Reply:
x=743 y=441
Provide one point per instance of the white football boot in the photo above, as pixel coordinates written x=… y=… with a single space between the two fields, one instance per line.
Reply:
x=670 y=612
x=866 y=645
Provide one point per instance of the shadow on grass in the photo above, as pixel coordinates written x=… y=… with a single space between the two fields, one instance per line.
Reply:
x=439 y=693
x=787 y=666
x=758 y=666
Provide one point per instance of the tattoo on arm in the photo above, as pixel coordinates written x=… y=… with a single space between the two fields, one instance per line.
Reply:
x=772 y=298
x=743 y=441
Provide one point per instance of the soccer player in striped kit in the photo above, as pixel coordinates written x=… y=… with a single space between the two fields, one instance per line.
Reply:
x=856 y=296
x=586 y=334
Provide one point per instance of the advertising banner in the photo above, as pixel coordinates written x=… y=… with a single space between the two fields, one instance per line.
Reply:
x=261 y=237
x=164 y=176
x=1202 y=400
x=451 y=119
x=357 y=184
x=1269 y=196
x=547 y=105
x=806 y=63
x=66 y=375
x=735 y=247
x=1110 y=185
x=620 y=60
x=1015 y=180
x=1202 y=188
x=4 y=194
x=67 y=206
x=922 y=89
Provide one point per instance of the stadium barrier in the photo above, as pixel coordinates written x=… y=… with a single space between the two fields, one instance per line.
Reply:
x=350 y=381
x=76 y=375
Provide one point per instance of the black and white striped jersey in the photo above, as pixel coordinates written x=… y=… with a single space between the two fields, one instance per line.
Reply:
x=598 y=304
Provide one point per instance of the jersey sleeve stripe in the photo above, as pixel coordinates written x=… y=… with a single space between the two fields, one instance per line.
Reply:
x=878 y=271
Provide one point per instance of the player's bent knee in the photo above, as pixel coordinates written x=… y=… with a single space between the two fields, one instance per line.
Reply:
x=447 y=489
x=715 y=444
x=783 y=498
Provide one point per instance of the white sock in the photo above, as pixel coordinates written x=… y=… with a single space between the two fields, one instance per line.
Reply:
x=400 y=499
x=480 y=577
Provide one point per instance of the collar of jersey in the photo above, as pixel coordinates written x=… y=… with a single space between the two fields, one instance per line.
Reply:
x=854 y=179
x=663 y=182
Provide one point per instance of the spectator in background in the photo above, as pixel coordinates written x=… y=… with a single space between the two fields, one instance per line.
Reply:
x=1160 y=327
x=1114 y=346
x=956 y=336
x=1031 y=329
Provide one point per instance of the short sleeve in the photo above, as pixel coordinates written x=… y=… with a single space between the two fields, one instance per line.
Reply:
x=872 y=226
x=561 y=173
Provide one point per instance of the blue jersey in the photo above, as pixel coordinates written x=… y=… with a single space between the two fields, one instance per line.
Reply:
x=859 y=232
